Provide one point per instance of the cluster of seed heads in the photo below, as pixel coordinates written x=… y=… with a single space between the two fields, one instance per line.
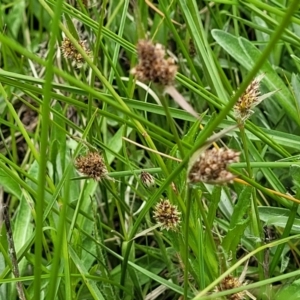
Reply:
x=92 y=166
x=211 y=166
x=152 y=64
x=70 y=52
x=167 y=215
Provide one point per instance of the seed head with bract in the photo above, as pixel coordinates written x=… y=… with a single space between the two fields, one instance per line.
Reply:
x=210 y=167
x=167 y=215
x=230 y=282
x=92 y=165
x=152 y=64
x=249 y=99
x=147 y=179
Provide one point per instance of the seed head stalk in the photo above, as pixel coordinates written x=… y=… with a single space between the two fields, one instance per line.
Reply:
x=243 y=110
x=154 y=67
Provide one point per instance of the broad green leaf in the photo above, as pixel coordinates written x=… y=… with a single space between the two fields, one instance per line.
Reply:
x=34 y=172
x=71 y=27
x=215 y=199
x=3 y=287
x=155 y=266
x=295 y=173
x=23 y=226
x=296 y=90
x=289 y=291
x=95 y=293
x=38 y=12
x=277 y=216
x=170 y=285
x=295 y=58
x=15 y=16
x=9 y=185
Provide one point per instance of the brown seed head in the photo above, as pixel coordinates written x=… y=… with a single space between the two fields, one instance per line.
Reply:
x=71 y=53
x=192 y=48
x=249 y=99
x=147 y=179
x=167 y=215
x=92 y=165
x=230 y=282
x=85 y=3
x=152 y=64
x=211 y=166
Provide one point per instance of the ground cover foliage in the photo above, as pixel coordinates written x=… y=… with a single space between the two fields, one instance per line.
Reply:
x=119 y=181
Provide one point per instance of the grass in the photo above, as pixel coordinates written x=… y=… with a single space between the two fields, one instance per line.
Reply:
x=67 y=236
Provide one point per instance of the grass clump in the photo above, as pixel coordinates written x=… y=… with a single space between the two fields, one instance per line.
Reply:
x=188 y=115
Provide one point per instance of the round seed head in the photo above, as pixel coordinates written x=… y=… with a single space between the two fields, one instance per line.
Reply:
x=70 y=52
x=147 y=179
x=211 y=166
x=167 y=215
x=230 y=282
x=92 y=165
x=152 y=64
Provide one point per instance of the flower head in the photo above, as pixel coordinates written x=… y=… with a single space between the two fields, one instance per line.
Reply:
x=152 y=64
x=92 y=165
x=147 y=179
x=70 y=52
x=249 y=99
x=210 y=167
x=230 y=282
x=167 y=215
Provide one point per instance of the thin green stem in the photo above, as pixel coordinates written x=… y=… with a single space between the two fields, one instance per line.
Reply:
x=253 y=183
x=172 y=125
x=246 y=150
x=287 y=231
x=45 y=117
x=96 y=58
x=186 y=237
x=263 y=164
x=255 y=221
